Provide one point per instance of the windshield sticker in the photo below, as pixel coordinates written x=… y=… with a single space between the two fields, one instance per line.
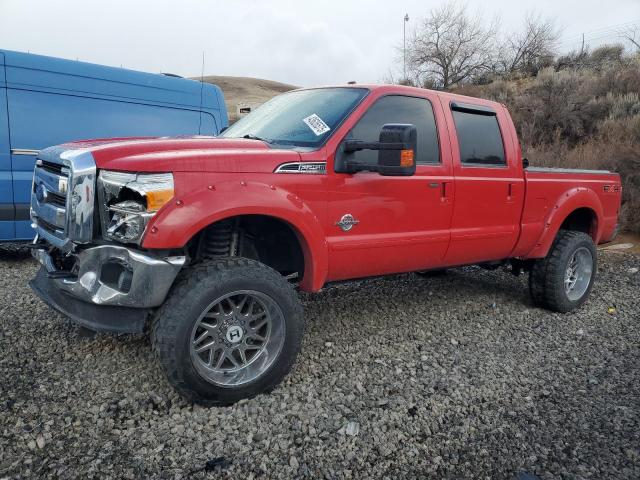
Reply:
x=315 y=123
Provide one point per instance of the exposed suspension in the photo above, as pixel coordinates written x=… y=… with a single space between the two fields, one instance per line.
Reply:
x=221 y=239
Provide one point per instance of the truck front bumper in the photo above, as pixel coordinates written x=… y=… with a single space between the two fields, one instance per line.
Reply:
x=114 y=287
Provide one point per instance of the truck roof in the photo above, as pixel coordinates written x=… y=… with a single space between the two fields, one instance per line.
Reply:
x=406 y=90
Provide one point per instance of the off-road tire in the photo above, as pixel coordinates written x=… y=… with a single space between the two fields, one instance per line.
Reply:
x=546 y=277
x=195 y=288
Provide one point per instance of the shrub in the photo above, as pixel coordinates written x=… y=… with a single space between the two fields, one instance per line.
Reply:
x=616 y=79
x=629 y=168
x=500 y=91
x=625 y=105
x=619 y=130
x=606 y=56
x=556 y=105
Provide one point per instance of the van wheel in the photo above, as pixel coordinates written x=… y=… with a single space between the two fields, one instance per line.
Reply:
x=563 y=279
x=230 y=329
x=15 y=250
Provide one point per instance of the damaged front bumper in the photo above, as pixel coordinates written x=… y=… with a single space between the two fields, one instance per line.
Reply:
x=113 y=287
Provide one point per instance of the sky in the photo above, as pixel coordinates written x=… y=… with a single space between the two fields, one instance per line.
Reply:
x=298 y=42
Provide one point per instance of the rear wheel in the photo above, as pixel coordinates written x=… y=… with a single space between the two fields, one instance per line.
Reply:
x=230 y=329
x=562 y=281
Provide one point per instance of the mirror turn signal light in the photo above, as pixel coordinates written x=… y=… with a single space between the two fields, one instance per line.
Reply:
x=406 y=158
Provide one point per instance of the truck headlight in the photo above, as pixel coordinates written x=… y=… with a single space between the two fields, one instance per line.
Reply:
x=129 y=200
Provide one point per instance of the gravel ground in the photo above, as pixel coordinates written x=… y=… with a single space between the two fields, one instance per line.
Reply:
x=455 y=376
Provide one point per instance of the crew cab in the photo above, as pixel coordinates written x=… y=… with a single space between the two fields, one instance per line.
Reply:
x=204 y=241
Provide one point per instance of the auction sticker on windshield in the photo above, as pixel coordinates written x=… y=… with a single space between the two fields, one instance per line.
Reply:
x=316 y=124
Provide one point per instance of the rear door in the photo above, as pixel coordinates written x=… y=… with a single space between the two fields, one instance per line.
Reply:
x=488 y=183
x=7 y=214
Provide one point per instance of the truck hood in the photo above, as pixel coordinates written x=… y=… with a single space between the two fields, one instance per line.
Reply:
x=184 y=154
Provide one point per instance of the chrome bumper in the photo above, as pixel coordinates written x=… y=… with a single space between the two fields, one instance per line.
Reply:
x=115 y=276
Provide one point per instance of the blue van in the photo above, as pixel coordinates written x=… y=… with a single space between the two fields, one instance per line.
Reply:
x=46 y=101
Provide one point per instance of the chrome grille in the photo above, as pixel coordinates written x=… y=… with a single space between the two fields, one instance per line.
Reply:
x=52 y=167
x=63 y=196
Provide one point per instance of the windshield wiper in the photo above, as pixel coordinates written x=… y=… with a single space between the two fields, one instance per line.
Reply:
x=255 y=137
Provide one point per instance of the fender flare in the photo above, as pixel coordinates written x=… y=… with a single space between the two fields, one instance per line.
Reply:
x=177 y=222
x=570 y=201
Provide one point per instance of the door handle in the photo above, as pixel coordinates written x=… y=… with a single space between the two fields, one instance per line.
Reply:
x=443 y=189
x=443 y=192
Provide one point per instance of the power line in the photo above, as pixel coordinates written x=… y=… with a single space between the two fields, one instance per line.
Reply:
x=599 y=40
x=601 y=36
x=615 y=27
x=604 y=33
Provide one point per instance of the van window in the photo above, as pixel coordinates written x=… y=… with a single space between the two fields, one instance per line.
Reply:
x=479 y=139
x=39 y=119
x=399 y=109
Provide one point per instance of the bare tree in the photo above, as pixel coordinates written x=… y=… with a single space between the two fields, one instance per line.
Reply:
x=392 y=79
x=532 y=47
x=632 y=35
x=450 y=47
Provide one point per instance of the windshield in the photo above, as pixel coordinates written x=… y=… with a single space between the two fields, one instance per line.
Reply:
x=303 y=118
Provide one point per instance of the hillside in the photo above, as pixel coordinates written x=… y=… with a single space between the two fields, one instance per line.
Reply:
x=246 y=90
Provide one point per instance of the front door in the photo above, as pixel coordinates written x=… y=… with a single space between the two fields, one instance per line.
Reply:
x=381 y=224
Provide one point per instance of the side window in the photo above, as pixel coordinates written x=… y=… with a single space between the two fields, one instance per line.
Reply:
x=479 y=138
x=399 y=109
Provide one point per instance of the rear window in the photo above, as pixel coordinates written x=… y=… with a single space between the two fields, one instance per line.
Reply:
x=479 y=139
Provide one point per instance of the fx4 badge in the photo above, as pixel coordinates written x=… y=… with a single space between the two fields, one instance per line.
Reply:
x=347 y=222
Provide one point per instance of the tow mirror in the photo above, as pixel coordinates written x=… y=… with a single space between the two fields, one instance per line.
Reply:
x=402 y=160
x=396 y=152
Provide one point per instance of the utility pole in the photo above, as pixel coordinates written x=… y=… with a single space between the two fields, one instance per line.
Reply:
x=404 y=42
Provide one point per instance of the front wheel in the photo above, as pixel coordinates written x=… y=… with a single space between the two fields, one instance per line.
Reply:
x=230 y=329
x=563 y=279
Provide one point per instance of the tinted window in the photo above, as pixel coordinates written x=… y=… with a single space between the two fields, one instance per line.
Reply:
x=397 y=109
x=479 y=139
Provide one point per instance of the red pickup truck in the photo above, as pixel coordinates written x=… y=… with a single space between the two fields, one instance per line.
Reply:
x=205 y=240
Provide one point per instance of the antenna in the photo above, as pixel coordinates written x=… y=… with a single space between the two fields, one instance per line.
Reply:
x=201 y=93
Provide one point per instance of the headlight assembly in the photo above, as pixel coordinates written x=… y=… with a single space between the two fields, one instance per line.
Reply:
x=129 y=200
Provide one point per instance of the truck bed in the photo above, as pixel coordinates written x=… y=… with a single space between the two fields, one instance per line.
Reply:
x=551 y=191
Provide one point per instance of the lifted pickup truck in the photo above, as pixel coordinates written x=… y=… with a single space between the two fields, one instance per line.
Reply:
x=204 y=240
